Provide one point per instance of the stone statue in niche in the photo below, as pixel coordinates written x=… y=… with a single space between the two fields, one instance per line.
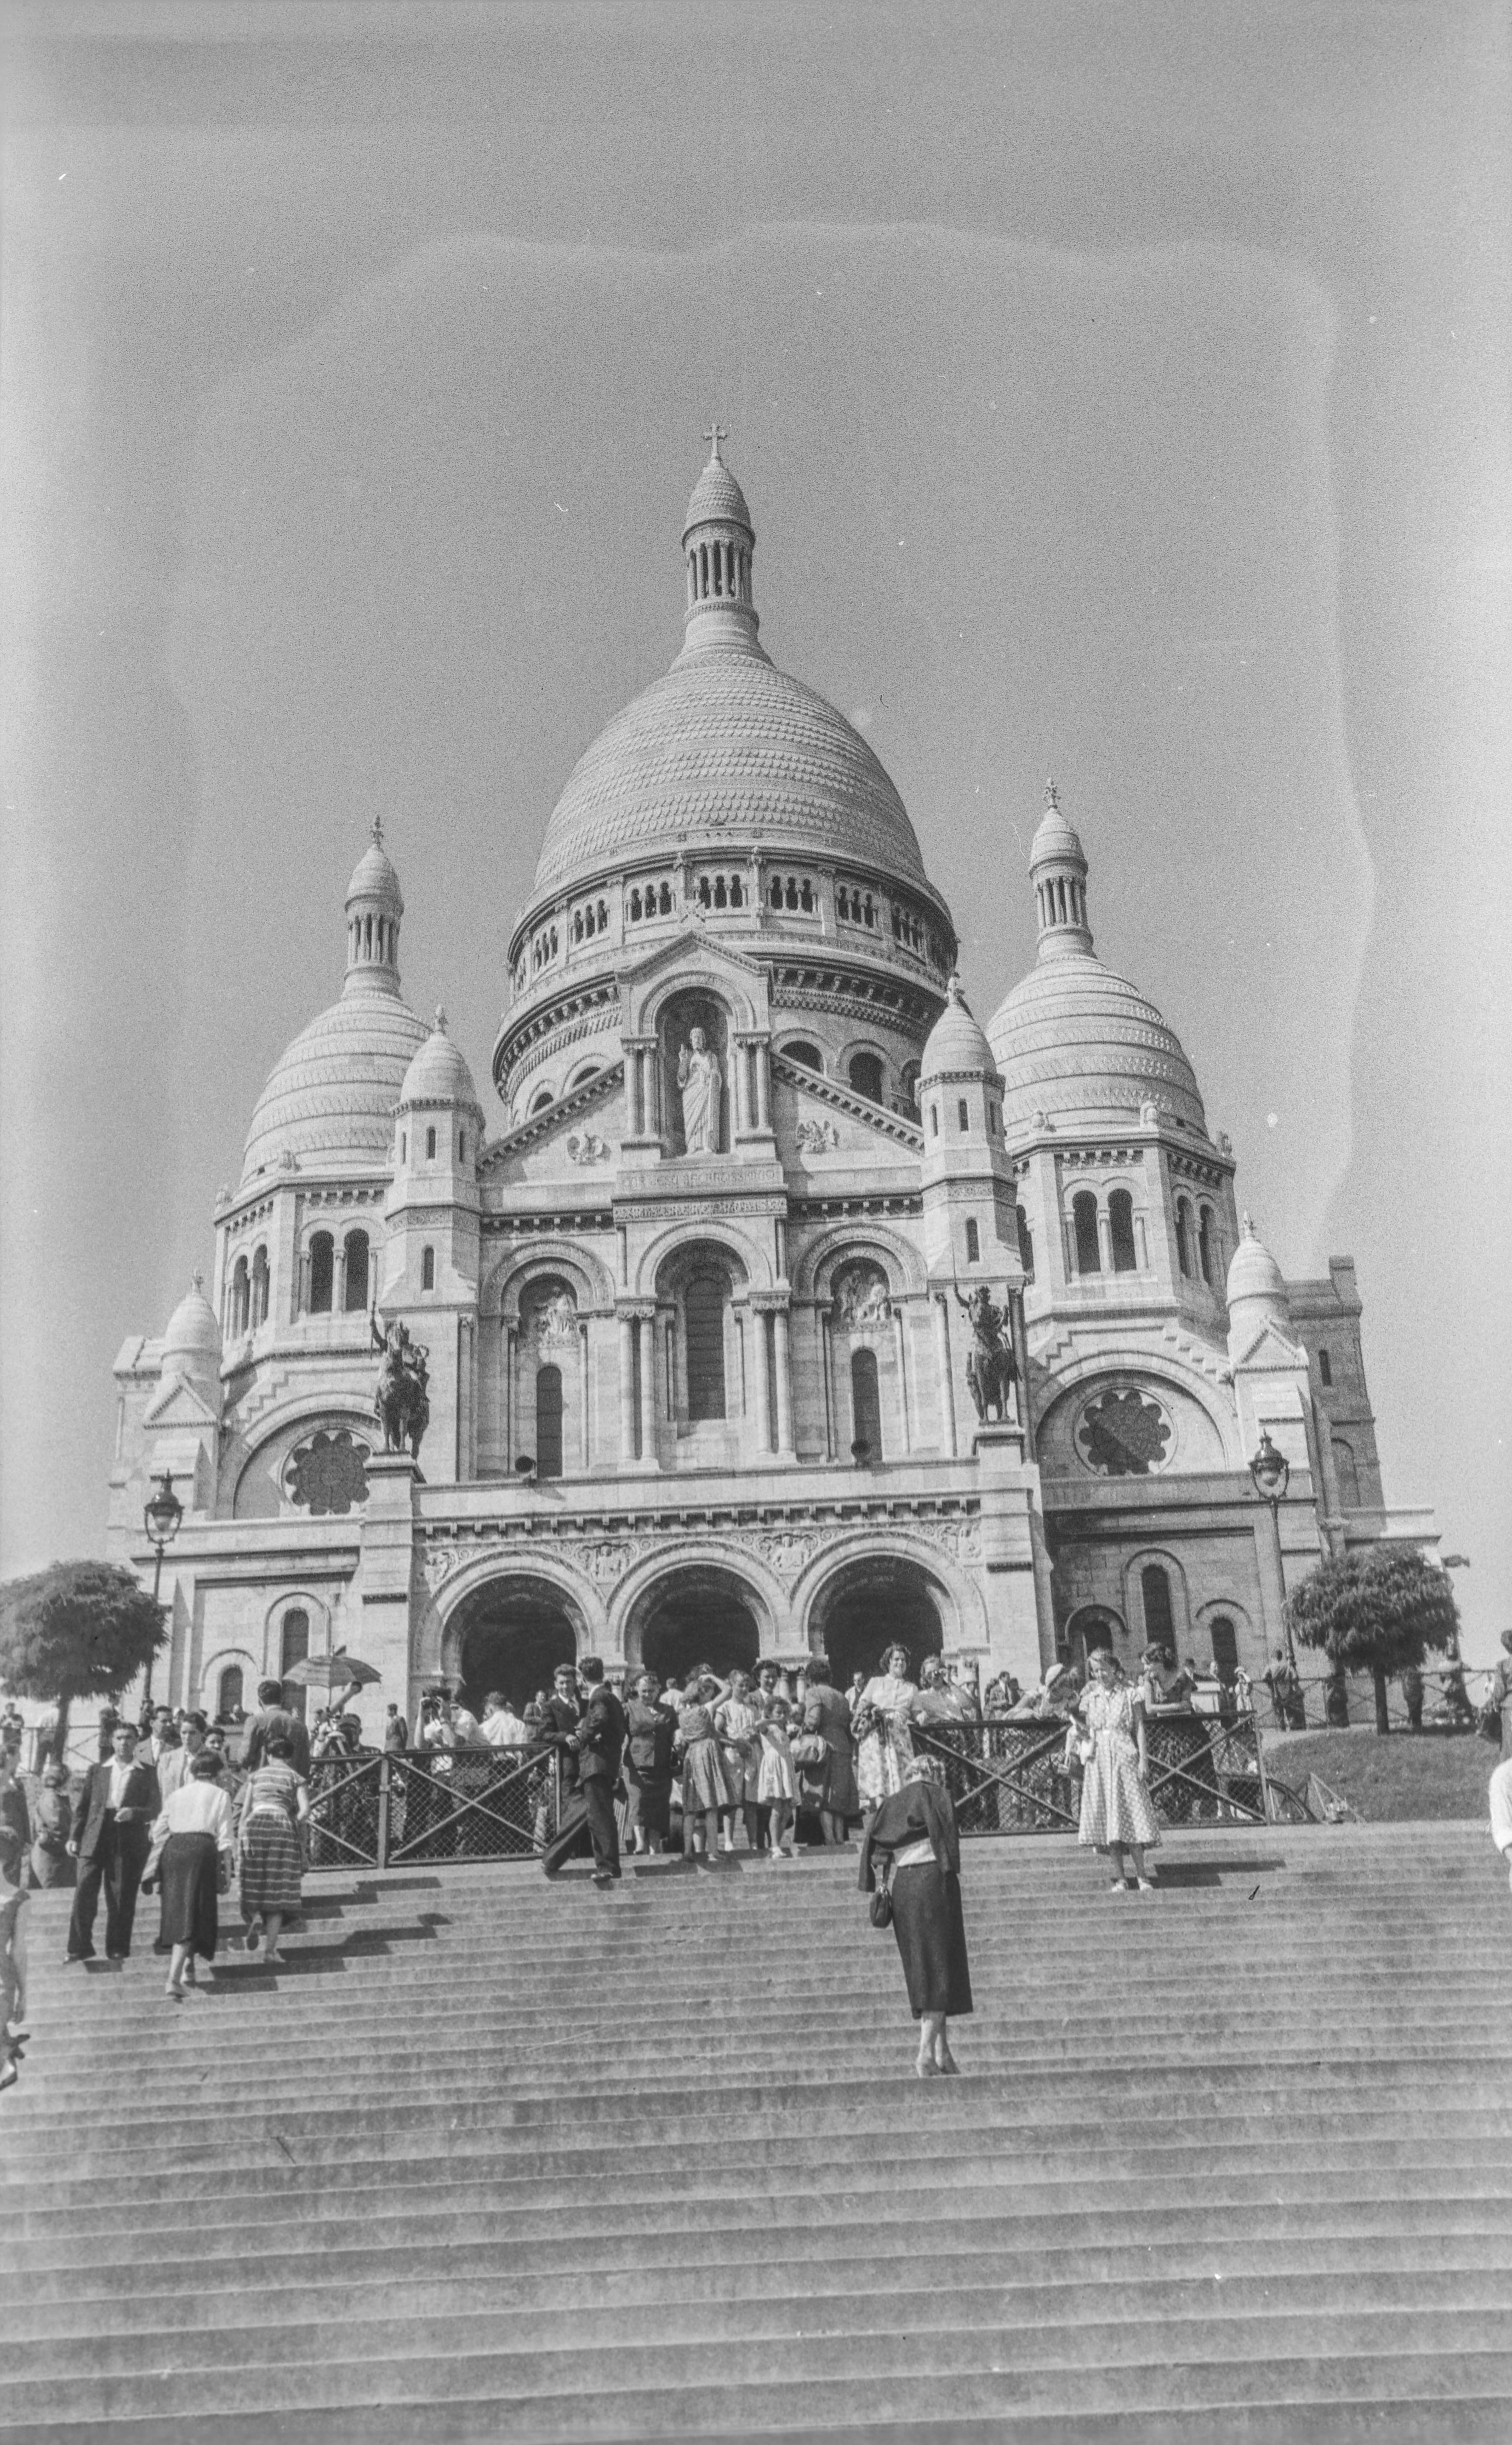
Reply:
x=861 y=1302
x=556 y=1322
x=701 y=1080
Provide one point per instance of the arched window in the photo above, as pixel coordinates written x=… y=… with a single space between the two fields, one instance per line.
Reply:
x=427 y=1269
x=240 y=1296
x=934 y=1120
x=1159 y=1622
x=1348 y=1474
x=807 y=1053
x=1225 y=1645
x=962 y=1115
x=430 y=1145
x=866 y=1075
x=1184 y=1235
x=542 y=1100
x=1325 y=1368
x=703 y=1310
x=549 y=1422
x=322 y=1273
x=972 y=1242
x=228 y=1693
x=866 y=1402
x=1084 y=1221
x=293 y=1646
x=461 y=1146
x=1204 y=1244
x=1026 y=1243
x=355 y=1299
x=910 y=1086
x=1121 y=1230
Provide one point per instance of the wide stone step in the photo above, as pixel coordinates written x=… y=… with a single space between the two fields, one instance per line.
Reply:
x=1454 y=2269
x=741 y=2326
x=872 y=2374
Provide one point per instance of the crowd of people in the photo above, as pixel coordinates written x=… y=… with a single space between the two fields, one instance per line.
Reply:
x=702 y=1765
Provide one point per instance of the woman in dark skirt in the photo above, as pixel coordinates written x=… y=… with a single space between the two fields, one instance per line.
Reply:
x=195 y=1838
x=914 y=1831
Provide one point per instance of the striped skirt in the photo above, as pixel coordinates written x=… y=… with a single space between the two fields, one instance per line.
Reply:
x=270 y=1865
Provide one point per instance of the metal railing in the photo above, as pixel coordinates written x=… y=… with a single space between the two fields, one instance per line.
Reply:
x=432 y=1808
x=1013 y=1777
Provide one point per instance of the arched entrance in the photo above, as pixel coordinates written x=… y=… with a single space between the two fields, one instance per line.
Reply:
x=869 y=1605
x=1095 y=1626
x=700 y=1614
x=509 y=1635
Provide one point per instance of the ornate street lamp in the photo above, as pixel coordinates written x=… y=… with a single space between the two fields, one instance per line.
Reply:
x=160 y=1518
x=1272 y=1473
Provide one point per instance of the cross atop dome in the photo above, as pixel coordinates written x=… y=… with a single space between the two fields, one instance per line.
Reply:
x=714 y=434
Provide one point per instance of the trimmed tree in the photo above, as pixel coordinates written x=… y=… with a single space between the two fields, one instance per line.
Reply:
x=1376 y=1613
x=76 y=1630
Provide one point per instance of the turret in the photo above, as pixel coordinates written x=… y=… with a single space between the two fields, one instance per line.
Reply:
x=967 y=1181
x=1058 y=868
x=431 y=1258
x=375 y=906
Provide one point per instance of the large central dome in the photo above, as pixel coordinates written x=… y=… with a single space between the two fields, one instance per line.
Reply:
x=727 y=747
x=727 y=751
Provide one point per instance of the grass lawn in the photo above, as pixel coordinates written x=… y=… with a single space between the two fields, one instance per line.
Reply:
x=1406 y=1775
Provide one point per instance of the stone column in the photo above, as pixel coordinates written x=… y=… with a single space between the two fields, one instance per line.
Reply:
x=782 y=1354
x=764 y=1374
x=583 y=1382
x=900 y=1337
x=648 y=1453
x=763 y=1084
x=338 y=1283
x=509 y=1427
x=626 y=1389
x=634 y=1080
x=947 y=1390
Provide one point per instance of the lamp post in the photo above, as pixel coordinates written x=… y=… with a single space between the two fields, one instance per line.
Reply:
x=1272 y=1473
x=160 y=1518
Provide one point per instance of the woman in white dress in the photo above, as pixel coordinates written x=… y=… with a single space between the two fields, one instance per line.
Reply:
x=1116 y=1811
x=881 y=1718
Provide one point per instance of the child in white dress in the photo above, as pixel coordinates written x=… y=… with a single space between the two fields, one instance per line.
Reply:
x=777 y=1780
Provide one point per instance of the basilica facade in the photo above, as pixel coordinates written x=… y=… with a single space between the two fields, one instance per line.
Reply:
x=715 y=1316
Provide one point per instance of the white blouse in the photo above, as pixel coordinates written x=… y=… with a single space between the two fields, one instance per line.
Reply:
x=198 y=1806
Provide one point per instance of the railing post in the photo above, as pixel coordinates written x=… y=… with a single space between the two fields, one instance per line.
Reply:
x=383 y=1765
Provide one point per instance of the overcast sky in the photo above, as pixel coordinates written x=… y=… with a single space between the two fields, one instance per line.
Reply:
x=1120 y=391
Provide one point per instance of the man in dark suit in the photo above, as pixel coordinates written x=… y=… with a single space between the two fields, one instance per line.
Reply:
x=117 y=1807
x=601 y=1737
x=275 y=1722
x=556 y=1730
x=590 y=1752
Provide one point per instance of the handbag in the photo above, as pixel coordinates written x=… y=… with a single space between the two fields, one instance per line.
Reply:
x=881 y=1908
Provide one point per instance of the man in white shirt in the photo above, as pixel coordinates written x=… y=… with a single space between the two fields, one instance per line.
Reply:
x=173 y=1767
x=502 y=1728
x=1500 y=1797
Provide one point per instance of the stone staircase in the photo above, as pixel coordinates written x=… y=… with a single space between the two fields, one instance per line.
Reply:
x=496 y=2159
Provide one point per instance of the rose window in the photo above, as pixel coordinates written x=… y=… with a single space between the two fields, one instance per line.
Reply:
x=1124 y=1434
x=327 y=1473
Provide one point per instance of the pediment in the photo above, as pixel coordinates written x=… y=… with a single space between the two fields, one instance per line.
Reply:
x=697 y=959
x=817 y=1119
x=575 y=1139
x=1270 y=1352
x=178 y=1404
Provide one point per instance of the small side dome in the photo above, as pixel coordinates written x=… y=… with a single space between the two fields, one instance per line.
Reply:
x=192 y=1342
x=957 y=1047
x=439 y=1075
x=1254 y=1273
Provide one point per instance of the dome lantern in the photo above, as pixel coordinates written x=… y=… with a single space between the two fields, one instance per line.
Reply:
x=719 y=543
x=1059 y=866
x=374 y=907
